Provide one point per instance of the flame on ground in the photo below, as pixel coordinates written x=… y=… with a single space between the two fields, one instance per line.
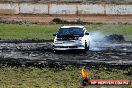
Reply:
x=84 y=73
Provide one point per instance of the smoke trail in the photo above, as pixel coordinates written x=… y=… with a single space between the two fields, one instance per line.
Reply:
x=102 y=42
x=96 y=40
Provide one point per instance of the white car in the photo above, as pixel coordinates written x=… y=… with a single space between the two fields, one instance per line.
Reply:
x=71 y=38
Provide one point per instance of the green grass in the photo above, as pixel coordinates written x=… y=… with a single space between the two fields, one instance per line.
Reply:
x=49 y=78
x=14 y=31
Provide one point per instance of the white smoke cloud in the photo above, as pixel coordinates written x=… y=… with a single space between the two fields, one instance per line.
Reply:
x=100 y=41
x=96 y=40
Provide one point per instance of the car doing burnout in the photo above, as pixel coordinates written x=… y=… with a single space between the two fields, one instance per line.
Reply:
x=71 y=38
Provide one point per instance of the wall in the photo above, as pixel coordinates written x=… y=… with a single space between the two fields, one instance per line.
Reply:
x=63 y=9
x=28 y=8
x=9 y=9
x=91 y=9
x=118 y=9
x=33 y=8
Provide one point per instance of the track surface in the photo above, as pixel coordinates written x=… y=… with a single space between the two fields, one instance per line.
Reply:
x=118 y=53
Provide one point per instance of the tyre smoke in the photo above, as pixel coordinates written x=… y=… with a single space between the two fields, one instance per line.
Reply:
x=96 y=40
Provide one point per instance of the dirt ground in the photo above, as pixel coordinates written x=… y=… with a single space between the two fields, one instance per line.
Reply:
x=38 y=53
x=45 y=19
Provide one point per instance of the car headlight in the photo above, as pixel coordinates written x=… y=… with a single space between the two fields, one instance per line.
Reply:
x=80 y=38
x=79 y=42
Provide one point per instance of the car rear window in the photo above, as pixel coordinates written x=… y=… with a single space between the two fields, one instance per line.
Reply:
x=71 y=31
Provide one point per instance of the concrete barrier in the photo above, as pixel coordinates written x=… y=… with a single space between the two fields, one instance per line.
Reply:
x=76 y=9
x=91 y=9
x=9 y=9
x=118 y=9
x=33 y=8
x=63 y=9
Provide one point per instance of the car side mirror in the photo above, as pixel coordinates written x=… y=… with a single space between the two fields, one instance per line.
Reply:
x=54 y=34
x=86 y=33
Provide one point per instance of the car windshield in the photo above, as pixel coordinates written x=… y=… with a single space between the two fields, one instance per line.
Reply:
x=71 y=31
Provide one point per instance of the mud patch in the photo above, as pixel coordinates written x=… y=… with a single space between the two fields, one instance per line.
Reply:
x=41 y=54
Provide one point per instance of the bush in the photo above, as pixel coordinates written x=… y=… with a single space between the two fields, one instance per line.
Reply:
x=115 y=38
x=59 y=21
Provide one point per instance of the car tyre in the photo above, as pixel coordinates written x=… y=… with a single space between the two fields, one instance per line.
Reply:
x=86 y=47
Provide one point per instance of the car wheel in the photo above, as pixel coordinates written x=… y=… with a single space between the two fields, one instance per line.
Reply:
x=86 y=47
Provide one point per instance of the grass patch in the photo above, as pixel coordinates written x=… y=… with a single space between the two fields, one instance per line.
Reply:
x=13 y=31
x=48 y=78
x=20 y=32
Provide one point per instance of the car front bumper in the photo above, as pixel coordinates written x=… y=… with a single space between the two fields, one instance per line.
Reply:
x=68 y=47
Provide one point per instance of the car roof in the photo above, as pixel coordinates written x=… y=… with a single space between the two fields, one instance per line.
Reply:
x=72 y=26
